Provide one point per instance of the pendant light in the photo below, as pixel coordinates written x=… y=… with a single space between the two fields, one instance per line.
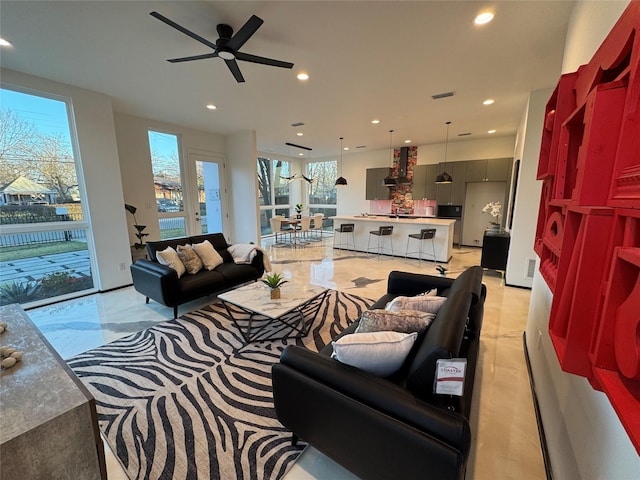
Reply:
x=341 y=180
x=444 y=177
x=390 y=181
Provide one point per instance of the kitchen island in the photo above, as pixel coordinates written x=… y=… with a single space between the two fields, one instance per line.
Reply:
x=402 y=227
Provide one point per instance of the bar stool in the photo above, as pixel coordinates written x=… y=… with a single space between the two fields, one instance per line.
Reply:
x=348 y=229
x=384 y=231
x=425 y=234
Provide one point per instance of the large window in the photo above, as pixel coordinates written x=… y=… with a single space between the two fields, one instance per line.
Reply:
x=273 y=191
x=44 y=249
x=167 y=180
x=322 y=191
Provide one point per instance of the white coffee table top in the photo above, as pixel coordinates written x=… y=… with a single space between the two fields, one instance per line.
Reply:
x=256 y=297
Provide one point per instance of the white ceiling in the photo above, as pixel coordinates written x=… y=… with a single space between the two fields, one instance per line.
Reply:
x=366 y=60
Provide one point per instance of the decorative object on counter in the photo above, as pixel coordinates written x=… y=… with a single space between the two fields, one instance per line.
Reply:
x=390 y=181
x=10 y=356
x=298 y=210
x=495 y=210
x=444 y=177
x=139 y=228
x=274 y=281
x=341 y=180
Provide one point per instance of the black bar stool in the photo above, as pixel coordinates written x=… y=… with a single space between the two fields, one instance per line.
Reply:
x=345 y=229
x=425 y=234
x=384 y=231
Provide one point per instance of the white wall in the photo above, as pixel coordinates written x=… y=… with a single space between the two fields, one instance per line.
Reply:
x=135 y=163
x=528 y=189
x=583 y=433
x=97 y=144
x=242 y=188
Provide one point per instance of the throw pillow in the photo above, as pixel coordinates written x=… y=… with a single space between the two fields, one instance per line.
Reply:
x=403 y=321
x=190 y=258
x=379 y=353
x=209 y=256
x=169 y=257
x=430 y=293
x=424 y=303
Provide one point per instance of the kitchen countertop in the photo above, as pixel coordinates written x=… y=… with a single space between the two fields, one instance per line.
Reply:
x=409 y=219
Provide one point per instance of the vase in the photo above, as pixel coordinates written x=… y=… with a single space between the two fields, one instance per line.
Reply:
x=275 y=293
x=494 y=227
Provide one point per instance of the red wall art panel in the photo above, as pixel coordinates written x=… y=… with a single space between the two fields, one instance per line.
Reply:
x=588 y=230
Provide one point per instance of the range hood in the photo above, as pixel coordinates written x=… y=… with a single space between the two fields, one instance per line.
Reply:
x=402 y=178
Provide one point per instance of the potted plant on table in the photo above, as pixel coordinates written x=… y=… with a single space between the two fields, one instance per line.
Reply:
x=274 y=281
x=298 y=210
x=495 y=210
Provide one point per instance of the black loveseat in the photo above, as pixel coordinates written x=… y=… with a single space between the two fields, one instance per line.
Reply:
x=395 y=427
x=161 y=283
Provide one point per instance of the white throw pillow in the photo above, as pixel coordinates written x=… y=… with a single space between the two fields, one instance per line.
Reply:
x=169 y=257
x=379 y=353
x=424 y=303
x=209 y=256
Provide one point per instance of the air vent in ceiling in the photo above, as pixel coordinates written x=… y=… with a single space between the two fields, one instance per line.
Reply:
x=297 y=124
x=438 y=96
x=361 y=146
x=298 y=146
x=466 y=134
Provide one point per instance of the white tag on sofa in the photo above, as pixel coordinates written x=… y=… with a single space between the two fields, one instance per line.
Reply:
x=450 y=376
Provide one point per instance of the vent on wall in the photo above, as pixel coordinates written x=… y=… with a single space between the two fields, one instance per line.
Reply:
x=531 y=268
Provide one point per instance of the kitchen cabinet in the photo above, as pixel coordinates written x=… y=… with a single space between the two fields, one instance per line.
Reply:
x=375 y=190
x=452 y=193
x=424 y=181
x=491 y=170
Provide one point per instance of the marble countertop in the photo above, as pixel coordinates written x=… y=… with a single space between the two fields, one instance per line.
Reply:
x=386 y=218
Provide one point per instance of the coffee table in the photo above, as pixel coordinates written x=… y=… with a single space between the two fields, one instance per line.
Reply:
x=259 y=318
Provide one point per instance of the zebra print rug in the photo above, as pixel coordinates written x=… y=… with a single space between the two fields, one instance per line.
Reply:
x=187 y=399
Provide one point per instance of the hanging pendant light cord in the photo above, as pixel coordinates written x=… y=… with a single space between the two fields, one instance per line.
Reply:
x=446 y=147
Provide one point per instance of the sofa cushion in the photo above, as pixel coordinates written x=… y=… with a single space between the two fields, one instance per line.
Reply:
x=236 y=273
x=153 y=247
x=209 y=256
x=424 y=303
x=190 y=259
x=170 y=258
x=403 y=321
x=204 y=283
x=379 y=353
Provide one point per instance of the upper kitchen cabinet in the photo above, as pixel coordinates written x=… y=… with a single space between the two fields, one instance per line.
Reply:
x=375 y=190
x=492 y=170
x=452 y=193
x=424 y=182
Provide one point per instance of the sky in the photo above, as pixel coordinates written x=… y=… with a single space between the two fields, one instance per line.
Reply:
x=49 y=116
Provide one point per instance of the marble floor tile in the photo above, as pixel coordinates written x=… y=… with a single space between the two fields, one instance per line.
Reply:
x=505 y=436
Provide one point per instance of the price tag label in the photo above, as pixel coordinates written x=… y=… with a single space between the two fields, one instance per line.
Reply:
x=450 y=376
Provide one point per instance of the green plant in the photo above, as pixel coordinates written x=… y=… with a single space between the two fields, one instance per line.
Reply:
x=298 y=208
x=18 y=292
x=60 y=283
x=274 y=280
x=139 y=228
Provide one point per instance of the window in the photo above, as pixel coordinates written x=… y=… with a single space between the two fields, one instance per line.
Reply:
x=273 y=191
x=322 y=191
x=167 y=180
x=44 y=245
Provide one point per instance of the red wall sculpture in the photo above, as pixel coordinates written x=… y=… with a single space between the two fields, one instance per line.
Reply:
x=588 y=230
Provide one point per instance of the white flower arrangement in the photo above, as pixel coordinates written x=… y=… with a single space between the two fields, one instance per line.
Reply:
x=494 y=209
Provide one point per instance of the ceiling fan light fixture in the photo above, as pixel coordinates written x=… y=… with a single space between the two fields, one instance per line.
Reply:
x=226 y=54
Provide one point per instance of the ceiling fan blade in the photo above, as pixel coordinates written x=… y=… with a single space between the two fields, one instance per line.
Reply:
x=194 y=57
x=235 y=70
x=246 y=57
x=245 y=32
x=180 y=28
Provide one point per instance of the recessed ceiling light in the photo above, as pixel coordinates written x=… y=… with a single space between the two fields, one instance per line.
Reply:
x=407 y=141
x=375 y=121
x=484 y=18
x=299 y=134
x=211 y=106
x=489 y=101
x=492 y=131
x=301 y=154
x=346 y=148
x=303 y=76
x=4 y=43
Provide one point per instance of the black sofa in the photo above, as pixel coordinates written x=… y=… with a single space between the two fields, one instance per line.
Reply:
x=394 y=427
x=161 y=283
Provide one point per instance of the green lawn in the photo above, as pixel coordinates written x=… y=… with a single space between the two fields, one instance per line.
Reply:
x=8 y=254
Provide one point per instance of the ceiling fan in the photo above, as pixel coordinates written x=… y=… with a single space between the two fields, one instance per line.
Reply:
x=227 y=46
